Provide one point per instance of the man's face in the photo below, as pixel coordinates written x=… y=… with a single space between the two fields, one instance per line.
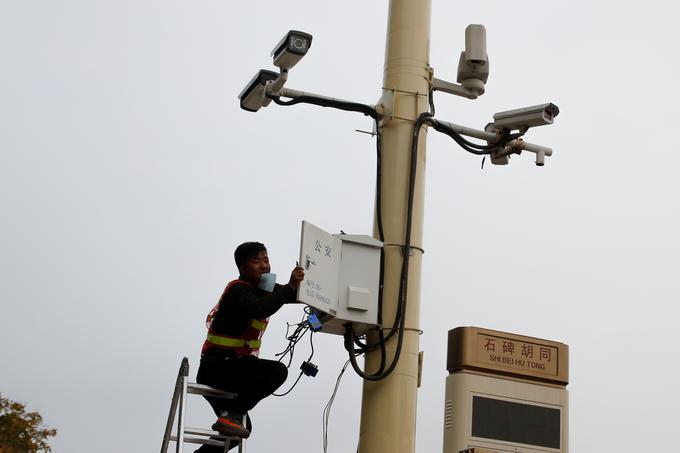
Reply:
x=254 y=267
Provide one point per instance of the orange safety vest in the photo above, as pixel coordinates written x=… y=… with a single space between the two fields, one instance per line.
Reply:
x=246 y=344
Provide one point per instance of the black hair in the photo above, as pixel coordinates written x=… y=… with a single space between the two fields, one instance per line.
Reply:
x=246 y=251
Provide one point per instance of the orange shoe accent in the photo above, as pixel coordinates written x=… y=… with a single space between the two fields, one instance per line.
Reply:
x=230 y=427
x=226 y=421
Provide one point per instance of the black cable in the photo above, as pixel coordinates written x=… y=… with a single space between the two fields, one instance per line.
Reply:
x=311 y=343
x=378 y=179
x=381 y=236
x=431 y=101
x=369 y=111
x=325 y=102
x=475 y=148
x=300 y=330
x=423 y=118
x=290 y=389
x=403 y=285
x=363 y=347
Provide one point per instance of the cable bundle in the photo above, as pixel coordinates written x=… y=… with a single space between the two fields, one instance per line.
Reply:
x=301 y=329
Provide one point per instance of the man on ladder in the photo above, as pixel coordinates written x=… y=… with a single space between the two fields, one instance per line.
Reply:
x=229 y=358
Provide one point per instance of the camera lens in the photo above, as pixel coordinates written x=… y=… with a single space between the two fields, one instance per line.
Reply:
x=298 y=43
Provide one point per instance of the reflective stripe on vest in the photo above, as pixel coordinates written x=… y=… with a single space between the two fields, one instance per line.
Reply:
x=231 y=342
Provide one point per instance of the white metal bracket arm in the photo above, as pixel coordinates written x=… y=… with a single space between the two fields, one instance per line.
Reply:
x=452 y=88
x=515 y=146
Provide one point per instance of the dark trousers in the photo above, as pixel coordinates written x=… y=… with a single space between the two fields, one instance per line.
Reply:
x=251 y=377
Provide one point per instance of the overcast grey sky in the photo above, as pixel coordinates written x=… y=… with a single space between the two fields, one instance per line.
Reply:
x=128 y=175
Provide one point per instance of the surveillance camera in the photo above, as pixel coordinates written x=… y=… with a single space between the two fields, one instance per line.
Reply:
x=473 y=64
x=524 y=118
x=254 y=95
x=475 y=44
x=291 y=49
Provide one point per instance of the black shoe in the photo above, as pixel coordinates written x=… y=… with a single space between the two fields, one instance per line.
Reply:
x=231 y=425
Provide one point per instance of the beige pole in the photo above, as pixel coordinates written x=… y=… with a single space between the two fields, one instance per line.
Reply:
x=388 y=415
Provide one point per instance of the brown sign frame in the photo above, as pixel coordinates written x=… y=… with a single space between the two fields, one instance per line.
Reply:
x=492 y=351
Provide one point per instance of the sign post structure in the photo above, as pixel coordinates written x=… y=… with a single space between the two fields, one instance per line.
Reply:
x=388 y=413
x=505 y=392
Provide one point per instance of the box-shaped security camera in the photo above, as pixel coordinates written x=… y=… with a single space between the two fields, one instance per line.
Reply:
x=291 y=49
x=253 y=97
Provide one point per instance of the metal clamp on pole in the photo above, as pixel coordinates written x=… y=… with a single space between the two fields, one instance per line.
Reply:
x=492 y=135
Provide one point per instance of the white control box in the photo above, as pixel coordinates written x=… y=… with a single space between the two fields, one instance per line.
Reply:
x=342 y=278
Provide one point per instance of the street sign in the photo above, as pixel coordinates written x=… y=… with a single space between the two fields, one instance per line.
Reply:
x=505 y=392
x=320 y=258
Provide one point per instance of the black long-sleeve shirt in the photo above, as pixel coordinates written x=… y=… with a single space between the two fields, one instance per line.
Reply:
x=239 y=305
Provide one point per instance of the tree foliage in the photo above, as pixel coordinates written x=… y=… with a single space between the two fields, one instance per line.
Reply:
x=21 y=431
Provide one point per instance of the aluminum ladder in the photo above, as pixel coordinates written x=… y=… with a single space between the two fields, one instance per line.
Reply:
x=178 y=405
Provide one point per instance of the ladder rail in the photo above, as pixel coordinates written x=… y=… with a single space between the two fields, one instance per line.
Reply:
x=173 y=405
x=178 y=409
x=182 y=414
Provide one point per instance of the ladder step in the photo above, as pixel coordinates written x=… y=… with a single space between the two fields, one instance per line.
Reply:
x=205 y=390
x=200 y=440
x=208 y=433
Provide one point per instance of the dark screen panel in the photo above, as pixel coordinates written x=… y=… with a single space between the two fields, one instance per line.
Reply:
x=515 y=422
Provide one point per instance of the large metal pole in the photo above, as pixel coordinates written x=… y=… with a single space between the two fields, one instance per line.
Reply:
x=388 y=415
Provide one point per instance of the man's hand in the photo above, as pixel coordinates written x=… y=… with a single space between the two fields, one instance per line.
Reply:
x=296 y=277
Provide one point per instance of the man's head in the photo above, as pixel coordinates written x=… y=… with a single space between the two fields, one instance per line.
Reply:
x=252 y=261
